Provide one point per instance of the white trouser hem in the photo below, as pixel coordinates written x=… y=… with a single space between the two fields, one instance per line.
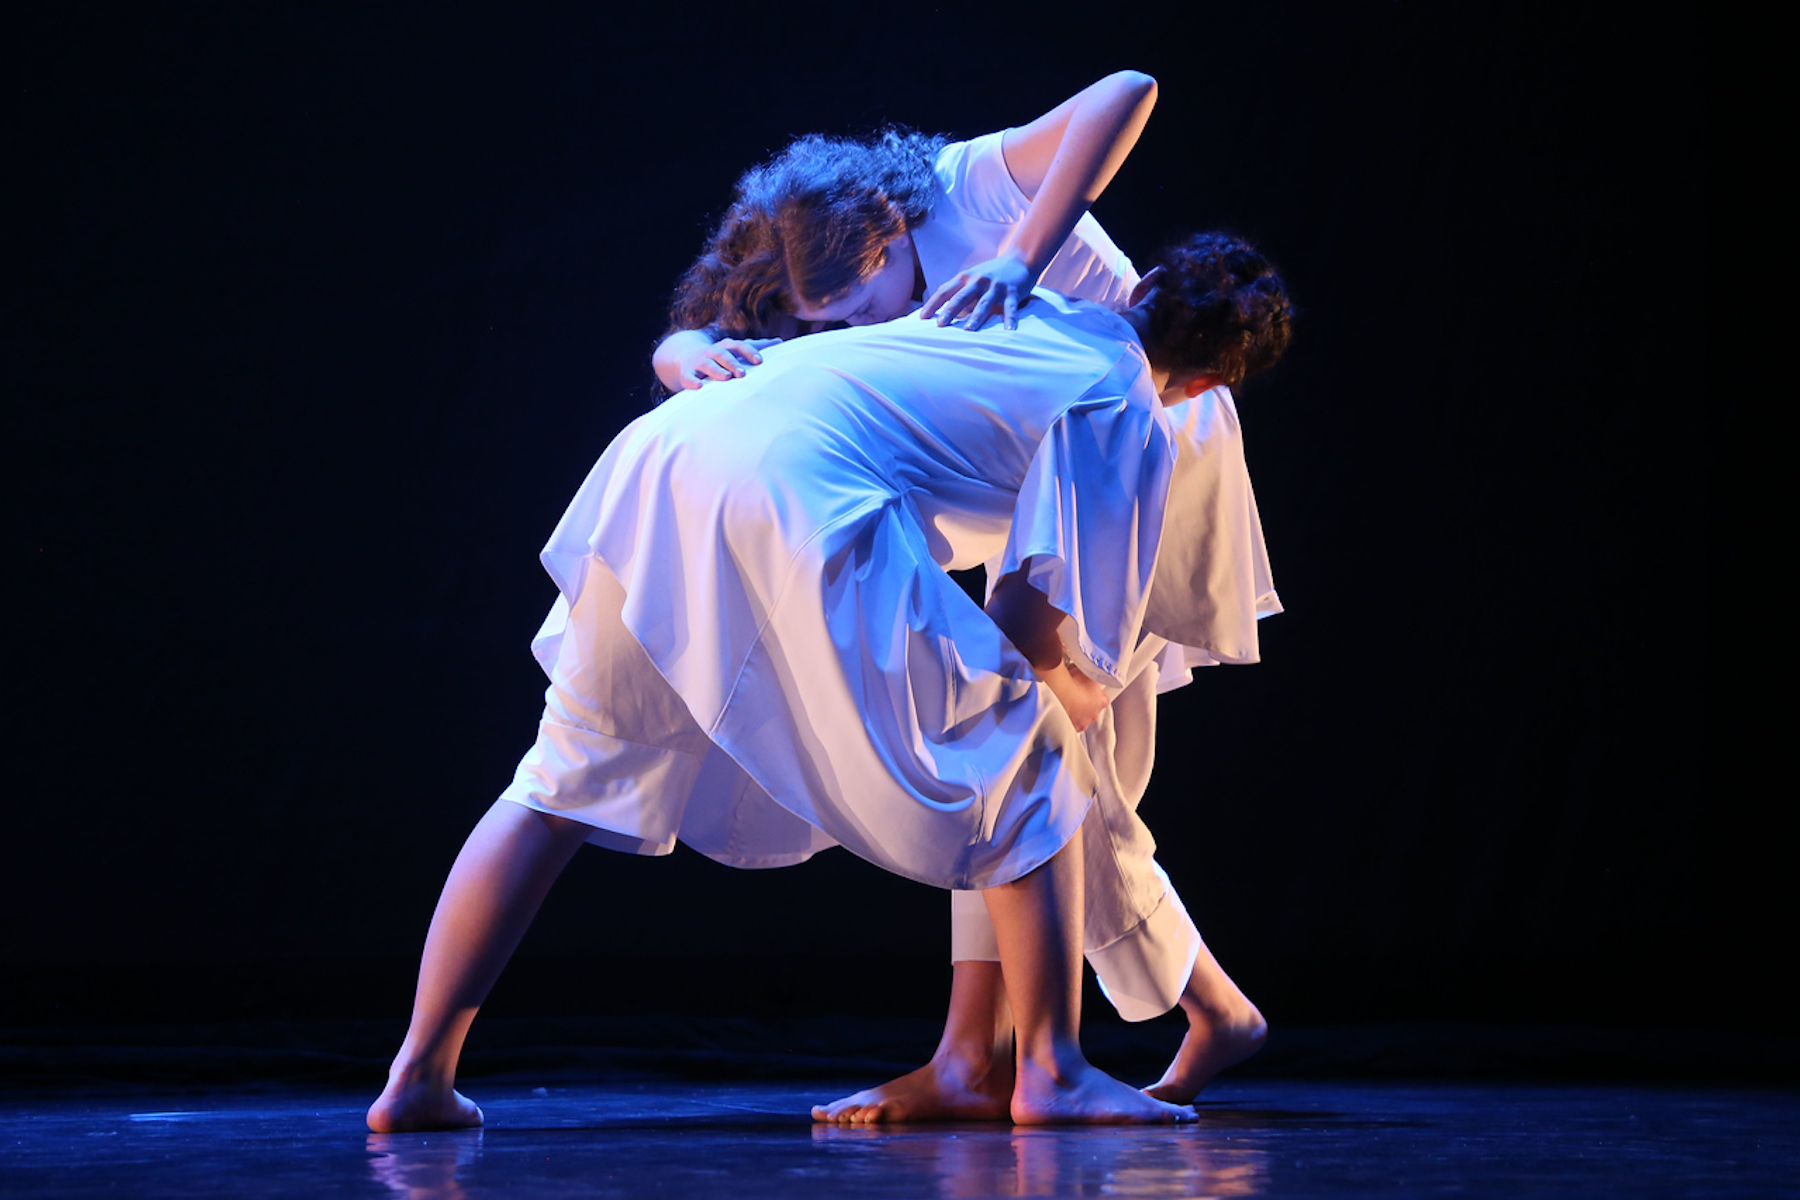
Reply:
x=1142 y=972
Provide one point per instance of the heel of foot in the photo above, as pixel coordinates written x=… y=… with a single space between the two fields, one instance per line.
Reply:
x=399 y=1111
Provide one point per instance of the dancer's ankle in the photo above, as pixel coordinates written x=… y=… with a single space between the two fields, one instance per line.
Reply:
x=423 y=1070
x=973 y=1052
x=1055 y=1057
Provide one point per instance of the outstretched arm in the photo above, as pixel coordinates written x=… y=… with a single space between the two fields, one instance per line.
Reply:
x=1030 y=622
x=1062 y=161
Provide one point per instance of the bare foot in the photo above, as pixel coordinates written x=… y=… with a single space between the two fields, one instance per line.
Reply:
x=944 y=1089
x=411 y=1105
x=1214 y=1040
x=1082 y=1094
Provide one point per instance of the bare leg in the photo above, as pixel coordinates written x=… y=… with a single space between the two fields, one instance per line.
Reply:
x=494 y=890
x=1038 y=920
x=970 y=1078
x=1224 y=1029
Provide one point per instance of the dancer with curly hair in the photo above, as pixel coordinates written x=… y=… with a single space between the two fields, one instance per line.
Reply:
x=861 y=231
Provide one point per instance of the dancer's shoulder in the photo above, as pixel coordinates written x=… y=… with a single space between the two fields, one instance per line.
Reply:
x=976 y=182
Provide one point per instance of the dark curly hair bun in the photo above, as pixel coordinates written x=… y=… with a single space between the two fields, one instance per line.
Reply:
x=1220 y=308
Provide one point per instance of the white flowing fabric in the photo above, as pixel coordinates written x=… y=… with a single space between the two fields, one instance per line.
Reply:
x=1213 y=582
x=757 y=568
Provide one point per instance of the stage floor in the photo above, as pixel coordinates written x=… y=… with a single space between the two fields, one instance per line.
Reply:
x=1254 y=1138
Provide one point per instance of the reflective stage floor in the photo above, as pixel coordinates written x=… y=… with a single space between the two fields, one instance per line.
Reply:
x=1254 y=1138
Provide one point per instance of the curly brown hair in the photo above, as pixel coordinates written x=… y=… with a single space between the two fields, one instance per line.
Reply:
x=805 y=227
x=1220 y=308
x=737 y=287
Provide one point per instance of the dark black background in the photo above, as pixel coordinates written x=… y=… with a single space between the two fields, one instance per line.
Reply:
x=318 y=313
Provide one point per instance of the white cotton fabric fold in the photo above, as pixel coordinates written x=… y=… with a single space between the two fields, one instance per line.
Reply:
x=618 y=750
x=1144 y=971
x=1213 y=582
x=1090 y=550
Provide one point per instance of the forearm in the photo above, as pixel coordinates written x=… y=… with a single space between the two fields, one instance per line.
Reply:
x=1101 y=127
x=667 y=359
x=1029 y=621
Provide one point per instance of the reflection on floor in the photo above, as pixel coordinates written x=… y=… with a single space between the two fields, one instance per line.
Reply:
x=1254 y=1138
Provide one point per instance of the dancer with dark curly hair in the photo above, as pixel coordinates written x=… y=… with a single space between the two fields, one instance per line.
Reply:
x=756 y=651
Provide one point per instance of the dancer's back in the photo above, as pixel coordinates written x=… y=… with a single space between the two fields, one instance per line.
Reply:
x=834 y=424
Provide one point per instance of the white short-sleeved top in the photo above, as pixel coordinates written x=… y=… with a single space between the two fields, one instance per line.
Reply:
x=978 y=206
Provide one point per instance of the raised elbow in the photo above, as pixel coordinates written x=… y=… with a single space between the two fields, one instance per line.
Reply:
x=1135 y=84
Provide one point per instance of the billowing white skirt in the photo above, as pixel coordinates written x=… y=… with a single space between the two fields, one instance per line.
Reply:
x=755 y=651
